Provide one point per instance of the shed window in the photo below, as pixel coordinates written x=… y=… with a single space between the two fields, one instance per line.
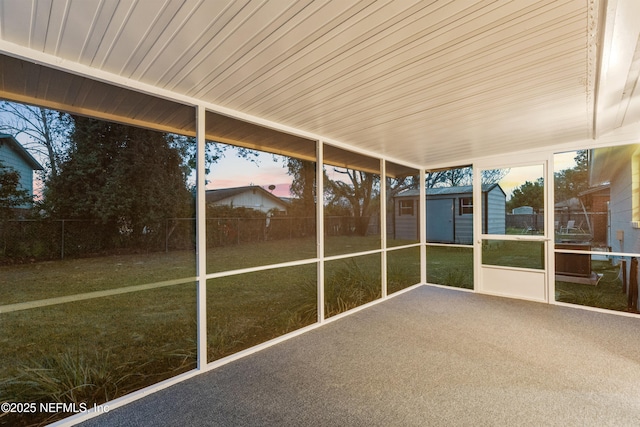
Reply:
x=466 y=205
x=406 y=207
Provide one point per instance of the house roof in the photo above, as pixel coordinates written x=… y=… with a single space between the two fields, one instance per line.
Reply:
x=602 y=190
x=419 y=83
x=21 y=151
x=216 y=195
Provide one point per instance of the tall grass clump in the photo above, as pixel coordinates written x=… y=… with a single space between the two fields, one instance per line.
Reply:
x=350 y=286
x=69 y=377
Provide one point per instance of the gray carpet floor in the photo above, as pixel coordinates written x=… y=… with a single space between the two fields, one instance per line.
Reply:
x=429 y=357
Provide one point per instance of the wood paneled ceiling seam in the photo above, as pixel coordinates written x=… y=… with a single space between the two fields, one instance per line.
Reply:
x=460 y=107
x=409 y=95
x=163 y=41
x=394 y=87
x=322 y=55
x=209 y=82
x=412 y=60
x=184 y=62
x=217 y=56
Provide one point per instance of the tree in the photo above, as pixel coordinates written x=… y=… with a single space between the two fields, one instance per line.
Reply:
x=46 y=130
x=457 y=177
x=358 y=195
x=528 y=194
x=11 y=195
x=303 y=186
x=571 y=182
x=129 y=180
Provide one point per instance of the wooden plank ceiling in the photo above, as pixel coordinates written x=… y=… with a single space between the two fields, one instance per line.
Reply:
x=422 y=82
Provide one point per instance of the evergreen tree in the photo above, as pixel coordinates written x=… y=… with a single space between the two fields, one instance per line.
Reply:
x=128 y=180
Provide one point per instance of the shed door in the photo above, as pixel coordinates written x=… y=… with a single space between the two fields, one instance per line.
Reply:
x=440 y=214
x=512 y=249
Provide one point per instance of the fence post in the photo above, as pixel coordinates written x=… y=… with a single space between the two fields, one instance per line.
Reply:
x=633 y=286
x=623 y=265
x=62 y=241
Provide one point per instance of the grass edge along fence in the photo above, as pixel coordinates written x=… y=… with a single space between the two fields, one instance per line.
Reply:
x=37 y=240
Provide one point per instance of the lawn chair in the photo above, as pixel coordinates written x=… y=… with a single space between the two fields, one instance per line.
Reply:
x=569 y=227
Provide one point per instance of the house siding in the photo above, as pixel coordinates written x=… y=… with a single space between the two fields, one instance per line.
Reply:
x=496 y=208
x=13 y=160
x=464 y=227
x=622 y=209
x=406 y=226
x=252 y=200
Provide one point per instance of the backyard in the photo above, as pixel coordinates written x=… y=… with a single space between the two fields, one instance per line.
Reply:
x=129 y=321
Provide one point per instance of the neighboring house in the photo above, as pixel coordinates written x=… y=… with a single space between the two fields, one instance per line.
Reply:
x=620 y=167
x=16 y=157
x=449 y=213
x=252 y=197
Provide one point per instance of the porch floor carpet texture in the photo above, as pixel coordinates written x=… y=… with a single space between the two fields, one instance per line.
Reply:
x=428 y=357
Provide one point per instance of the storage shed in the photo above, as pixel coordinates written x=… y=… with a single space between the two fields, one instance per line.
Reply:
x=450 y=213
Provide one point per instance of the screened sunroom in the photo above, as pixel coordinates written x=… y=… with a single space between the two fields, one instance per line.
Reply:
x=222 y=178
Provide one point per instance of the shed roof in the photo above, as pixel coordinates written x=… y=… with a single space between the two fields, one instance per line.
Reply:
x=437 y=191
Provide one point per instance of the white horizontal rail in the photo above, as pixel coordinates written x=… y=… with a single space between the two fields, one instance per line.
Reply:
x=91 y=295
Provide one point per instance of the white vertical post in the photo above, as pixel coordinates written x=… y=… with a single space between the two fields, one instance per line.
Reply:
x=383 y=225
x=320 y=226
x=549 y=230
x=423 y=226
x=201 y=239
x=478 y=206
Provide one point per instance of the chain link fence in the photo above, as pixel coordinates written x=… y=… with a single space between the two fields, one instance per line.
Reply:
x=70 y=238
x=22 y=240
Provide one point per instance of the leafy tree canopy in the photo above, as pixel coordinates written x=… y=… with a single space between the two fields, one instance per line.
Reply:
x=571 y=182
x=125 y=177
x=528 y=194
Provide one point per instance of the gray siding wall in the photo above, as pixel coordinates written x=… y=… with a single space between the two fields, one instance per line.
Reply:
x=407 y=225
x=464 y=227
x=496 y=205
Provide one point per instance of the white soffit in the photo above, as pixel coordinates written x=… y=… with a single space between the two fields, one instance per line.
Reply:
x=422 y=82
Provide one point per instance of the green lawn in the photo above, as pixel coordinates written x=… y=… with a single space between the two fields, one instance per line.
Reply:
x=606 y=294
x=98 y=349
x=511 y=253
x=450 y=266
x=95 y=350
